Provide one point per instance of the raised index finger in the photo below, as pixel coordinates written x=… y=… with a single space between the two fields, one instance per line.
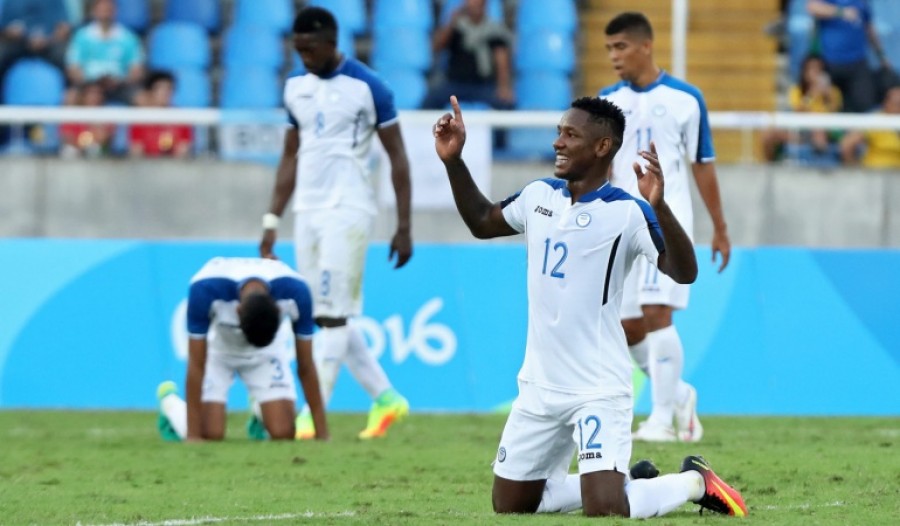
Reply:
x=457 y=112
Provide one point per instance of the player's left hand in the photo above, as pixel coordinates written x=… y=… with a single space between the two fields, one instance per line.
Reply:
x=401 y=246
x=650 y=179
x=721 y=245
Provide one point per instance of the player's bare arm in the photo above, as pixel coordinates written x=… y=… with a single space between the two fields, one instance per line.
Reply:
x=401 y=243
x=708 y=187
x=484 y=218
x=678 y=261
x=285 y=179
x=309 y=381
x=193 y=385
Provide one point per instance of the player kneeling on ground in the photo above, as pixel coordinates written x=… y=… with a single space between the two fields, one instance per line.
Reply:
x=235 y=314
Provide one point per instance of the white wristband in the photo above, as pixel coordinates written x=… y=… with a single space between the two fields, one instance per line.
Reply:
x=270 y=221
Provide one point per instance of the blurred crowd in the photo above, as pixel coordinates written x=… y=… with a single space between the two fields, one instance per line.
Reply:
x=464 y=47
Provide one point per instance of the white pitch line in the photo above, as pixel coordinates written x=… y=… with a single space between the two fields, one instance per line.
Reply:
x=212 y=520
x=835 y=504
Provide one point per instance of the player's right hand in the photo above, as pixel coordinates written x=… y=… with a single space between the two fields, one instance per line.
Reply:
x=267 y=245
x=450 y=133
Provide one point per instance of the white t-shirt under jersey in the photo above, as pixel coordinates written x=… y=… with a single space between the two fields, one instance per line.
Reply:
x=337 y=115
x=673 y=115
x=578 y=256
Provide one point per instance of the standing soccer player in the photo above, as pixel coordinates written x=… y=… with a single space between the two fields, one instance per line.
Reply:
x=334 y=110
x=575 y=393
x=672 y=114
x=234 y=317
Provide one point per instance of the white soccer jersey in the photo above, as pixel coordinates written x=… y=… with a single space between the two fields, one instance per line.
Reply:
x=673 y=115
x=337 y=116
x=214 y=296
x=578 y=256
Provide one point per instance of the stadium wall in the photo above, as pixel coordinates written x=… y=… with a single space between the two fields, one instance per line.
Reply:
x=207 y=199
x=784 y=331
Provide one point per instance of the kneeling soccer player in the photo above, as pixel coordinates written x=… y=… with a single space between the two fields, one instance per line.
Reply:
x=236 y=307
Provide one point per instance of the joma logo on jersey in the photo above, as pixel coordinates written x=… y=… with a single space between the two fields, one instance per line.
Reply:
x=543 y=211
x=589 y=455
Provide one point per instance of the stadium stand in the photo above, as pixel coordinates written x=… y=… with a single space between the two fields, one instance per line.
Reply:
x=495 y=10
x=206 y=13
x=545 y=50
x=277 y=15
x=192 y=88
x=409 y=87
x=403 y=48
x=134 y=14
x=250 y=87
x=33 y=82
x=535 y=15
x=411 y=14
x=246 y=45
x=173 y=45
x=351 y=14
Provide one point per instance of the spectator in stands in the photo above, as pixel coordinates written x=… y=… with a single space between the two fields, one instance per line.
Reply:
x=33 y=28
x=478 y=60
x=160 y=140
x=845 y=30
x=108 y=52
x=879 y=148
x=813 y=93
x=87 y=139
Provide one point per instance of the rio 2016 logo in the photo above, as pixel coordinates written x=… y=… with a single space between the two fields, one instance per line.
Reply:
x=433 y=343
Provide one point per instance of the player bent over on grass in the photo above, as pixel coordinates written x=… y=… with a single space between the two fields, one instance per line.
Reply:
x=235 y=311
x=575 y=394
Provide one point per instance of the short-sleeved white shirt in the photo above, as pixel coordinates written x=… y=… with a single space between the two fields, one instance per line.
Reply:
x=214 y=296
x=672 y=114
x=337 y=115
x=578 y=256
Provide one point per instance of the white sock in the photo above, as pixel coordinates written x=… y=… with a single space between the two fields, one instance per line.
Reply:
x=658 y=496
x=330 y=349
x=666 y=363
x=682 y=393
x=175 y=409
x=257 y=410
x=561 y=495
x=363 y=365
x=640 y=352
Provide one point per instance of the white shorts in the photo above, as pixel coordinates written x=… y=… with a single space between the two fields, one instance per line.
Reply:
x=265 y=371
x=646 y=285
x=331 y=249
x=546 y=428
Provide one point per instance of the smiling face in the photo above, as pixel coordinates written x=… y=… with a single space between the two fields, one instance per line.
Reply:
x=579 y=145
x=630 y=54
x=318 y=53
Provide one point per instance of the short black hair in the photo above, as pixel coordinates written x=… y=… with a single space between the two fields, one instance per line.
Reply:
x=316 y=20
x=259 y=318
x=156 y=76
x=630 y=22
x=606 y=114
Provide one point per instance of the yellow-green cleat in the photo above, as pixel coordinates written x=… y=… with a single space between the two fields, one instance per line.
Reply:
x=166 y=431
x=305 y=428
x=389 y=408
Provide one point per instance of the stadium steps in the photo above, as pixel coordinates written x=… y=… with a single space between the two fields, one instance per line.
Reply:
x=729 y=56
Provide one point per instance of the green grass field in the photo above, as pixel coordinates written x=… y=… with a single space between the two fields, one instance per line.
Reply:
x=111 y=468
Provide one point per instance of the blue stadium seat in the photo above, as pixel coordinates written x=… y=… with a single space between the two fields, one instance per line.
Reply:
x=33 y=82
x=250 y=87
x=494 y=10
x=545 y=51
x=543 y=91
x=174 y=45
x=350 y=14
x=346 y=43
x=205 y=13
x=411 y=14
x=252 y=45
x=409 y=87
x=534 y=15
x=401 y=48
x=134 y=14
x=192 y=88
x=886 y=19
x=277 y=15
